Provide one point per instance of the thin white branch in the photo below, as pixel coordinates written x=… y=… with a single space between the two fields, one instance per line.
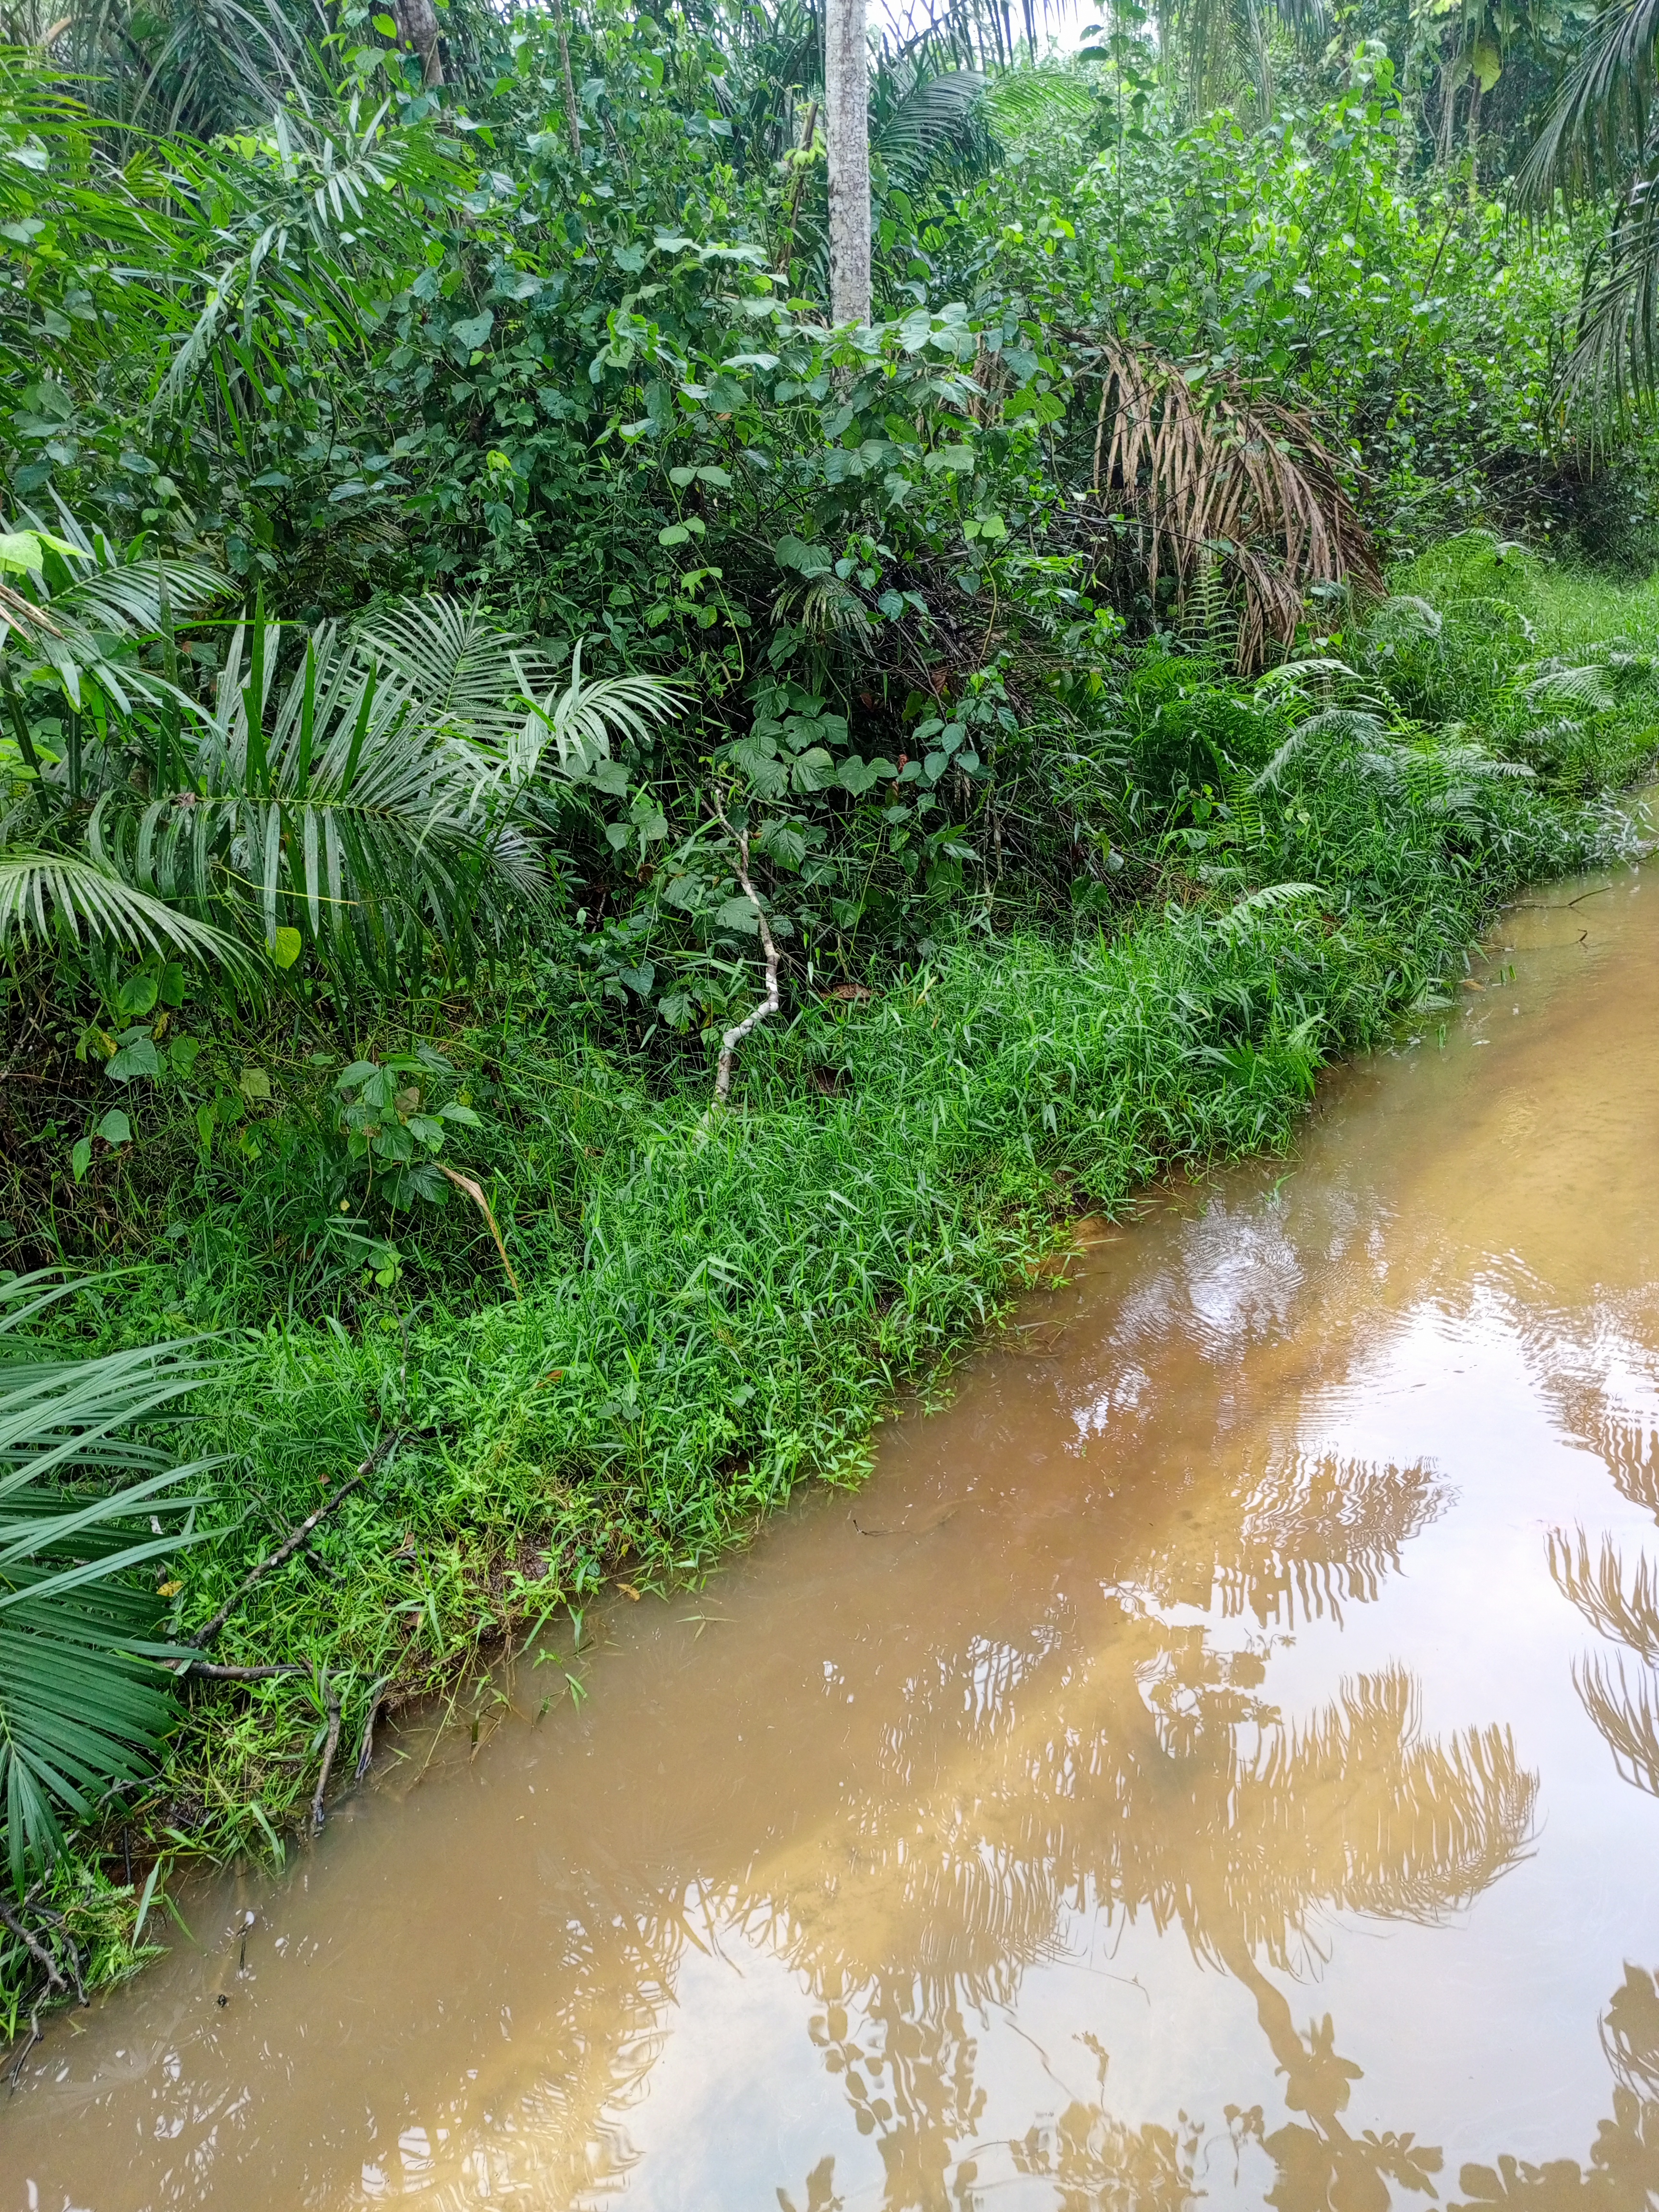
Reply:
x=735 y=1036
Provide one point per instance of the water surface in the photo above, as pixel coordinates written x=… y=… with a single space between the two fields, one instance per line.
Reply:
x=1215 y=1757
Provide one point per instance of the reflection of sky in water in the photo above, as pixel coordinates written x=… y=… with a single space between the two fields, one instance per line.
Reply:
x=1042 y=1805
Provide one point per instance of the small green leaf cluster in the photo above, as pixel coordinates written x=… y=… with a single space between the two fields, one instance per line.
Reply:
x=391 y=1130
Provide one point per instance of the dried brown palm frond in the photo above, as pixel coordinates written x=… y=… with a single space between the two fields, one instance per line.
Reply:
x=1220 y=482
x=33 y=624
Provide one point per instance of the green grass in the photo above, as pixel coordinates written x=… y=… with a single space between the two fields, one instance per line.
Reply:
x=717 y=1307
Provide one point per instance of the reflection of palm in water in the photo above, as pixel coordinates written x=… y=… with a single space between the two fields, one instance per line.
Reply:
x=1103 y=1758
x=1156 y=1781
x=1619 y=1602
x=1310 y=1535
x=1353 y=1810
x=1096 y=2163
x=1236 y=1849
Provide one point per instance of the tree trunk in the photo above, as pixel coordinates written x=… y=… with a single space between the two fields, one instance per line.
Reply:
x=570 y=117
x=417 y=26
x=847 y=119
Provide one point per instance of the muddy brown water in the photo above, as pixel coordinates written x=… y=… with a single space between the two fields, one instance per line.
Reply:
x=1217 y=1756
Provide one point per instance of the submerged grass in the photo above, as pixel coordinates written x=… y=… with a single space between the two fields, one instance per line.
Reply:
x=715 y=1306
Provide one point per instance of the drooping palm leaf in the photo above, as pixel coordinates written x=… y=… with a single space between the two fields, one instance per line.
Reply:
x=1594 y=135
x=377 y=794
x=1598 y=137
x=43 y=894
x=84 y=1509
x=1218 y=478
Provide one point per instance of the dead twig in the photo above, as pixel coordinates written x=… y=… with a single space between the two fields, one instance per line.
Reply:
x=244 y=1673
x=318 y=1815
x=37 y=1950
x=286 y=1550
x=366 y=1748
x=474 y=1191
x=35 y=2037
x=735 y=1036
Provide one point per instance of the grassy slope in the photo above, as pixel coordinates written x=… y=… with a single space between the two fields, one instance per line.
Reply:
x=714 y=1310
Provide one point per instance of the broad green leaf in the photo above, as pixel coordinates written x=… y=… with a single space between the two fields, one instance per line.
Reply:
x=115 y=1128
x=286 y=949
x=739 y=914
x=470 y=334
x=138 y=994
x=23 y=552
x=137 y=1059
x=807 y=560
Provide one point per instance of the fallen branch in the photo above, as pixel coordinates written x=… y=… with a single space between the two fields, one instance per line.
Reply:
x=41 y=1954
x=35 y=2037
x=474 y=1191
x=36 y=1951
x=244 y=1673
x=285 y=1550
x=735 y=1036
x=318 y=1815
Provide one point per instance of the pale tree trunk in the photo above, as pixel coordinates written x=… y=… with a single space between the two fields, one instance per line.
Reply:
x=847 y=124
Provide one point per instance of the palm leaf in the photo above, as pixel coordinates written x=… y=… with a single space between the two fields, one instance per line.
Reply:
x=45 y=893
x=1593 y=136
x=1224 y=484
x=83 y=1702
x=110 y=596
x=581 y=721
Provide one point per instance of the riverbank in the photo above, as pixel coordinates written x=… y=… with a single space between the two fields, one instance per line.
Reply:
x=1204 y=1669
x=713 y=1306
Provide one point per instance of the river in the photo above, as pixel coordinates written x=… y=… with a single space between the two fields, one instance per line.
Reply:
x=1215 y=1756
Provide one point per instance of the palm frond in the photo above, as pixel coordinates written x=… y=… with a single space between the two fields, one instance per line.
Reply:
x=378 y=790
x=934 y=117
x=1024 y=105
x=1615 y=356
x=83 y=1703
x=581 y=721
x=1219 y=479
x=42 y=894
x=112 y=597
x=1593 y=136
x=466 y=669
